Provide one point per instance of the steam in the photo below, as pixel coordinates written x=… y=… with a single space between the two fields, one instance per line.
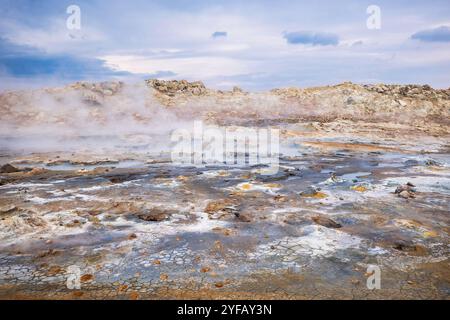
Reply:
x=119 y=117
x=75 y=117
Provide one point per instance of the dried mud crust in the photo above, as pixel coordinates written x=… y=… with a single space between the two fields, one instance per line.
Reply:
x=364 y=179
x=162 y=232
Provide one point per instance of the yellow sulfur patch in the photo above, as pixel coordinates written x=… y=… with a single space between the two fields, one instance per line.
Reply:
x=359 y=188
x=428 y=234
x=316 y=195
x=272 y=185
x=246 y=186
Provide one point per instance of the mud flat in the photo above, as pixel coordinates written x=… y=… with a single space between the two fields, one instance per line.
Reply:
x=353 y=189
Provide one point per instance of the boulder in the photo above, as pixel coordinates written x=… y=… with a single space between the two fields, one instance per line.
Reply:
x=326 y=222
x=406 y=191
x=8 y=168
x=155 y=214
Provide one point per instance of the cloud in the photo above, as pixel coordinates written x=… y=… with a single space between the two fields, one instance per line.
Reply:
x=190 y=40
x=219 y=34
x=162 y=74
x=440 y=34
x=66 y=67
x=190 y=68
x=25 y=61
x=314 y=38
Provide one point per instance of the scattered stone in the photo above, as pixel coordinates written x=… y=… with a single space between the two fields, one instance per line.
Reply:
x=155 y=214
x=333 y=179
x=122 y=288
x=432 y=163
x=172 y=87
x=50 y=252
x=8 y=168
x=8 y=209
x=280 y=198
x=406 y=191
x=312 y=192
x=236 y=89
x=410 y=248
x=163 y=276
x=243 y=217
x=326 y=222
x=220 y=209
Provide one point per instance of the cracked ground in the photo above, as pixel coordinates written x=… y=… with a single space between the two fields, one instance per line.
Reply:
x=138 y=229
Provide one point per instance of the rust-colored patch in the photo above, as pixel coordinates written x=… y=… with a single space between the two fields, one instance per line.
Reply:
x=122 y=288
x=86 y=277
x=134 y=295
x=205 y=269
x=163 y=276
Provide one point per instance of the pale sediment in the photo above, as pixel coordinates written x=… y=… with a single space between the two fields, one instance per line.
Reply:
x=139 y=227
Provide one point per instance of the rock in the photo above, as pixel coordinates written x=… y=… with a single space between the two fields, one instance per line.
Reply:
x=8 y=168
x=243 y=217
x=220 y=209
x=132 y=236
x=402 y=103
x=312 y=192
x=350 y=100
x=92 y=99
x=334 y=179
x=236 y=89
x=406 y=194
x=406 y=191
x=8 y=209
x=410 y=248
x=432 y=163
x=163 y=276
x=155 y=214
x=326 y=222
x=122 y=288
x=173 y=87
x=37 y=171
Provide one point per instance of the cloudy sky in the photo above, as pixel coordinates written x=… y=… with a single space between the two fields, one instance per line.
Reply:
x=254 y=44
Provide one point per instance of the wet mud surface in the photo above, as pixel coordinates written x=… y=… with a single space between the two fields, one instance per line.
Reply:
x=142 y=228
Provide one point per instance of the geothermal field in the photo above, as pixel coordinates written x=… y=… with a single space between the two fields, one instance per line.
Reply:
x=92 y=205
